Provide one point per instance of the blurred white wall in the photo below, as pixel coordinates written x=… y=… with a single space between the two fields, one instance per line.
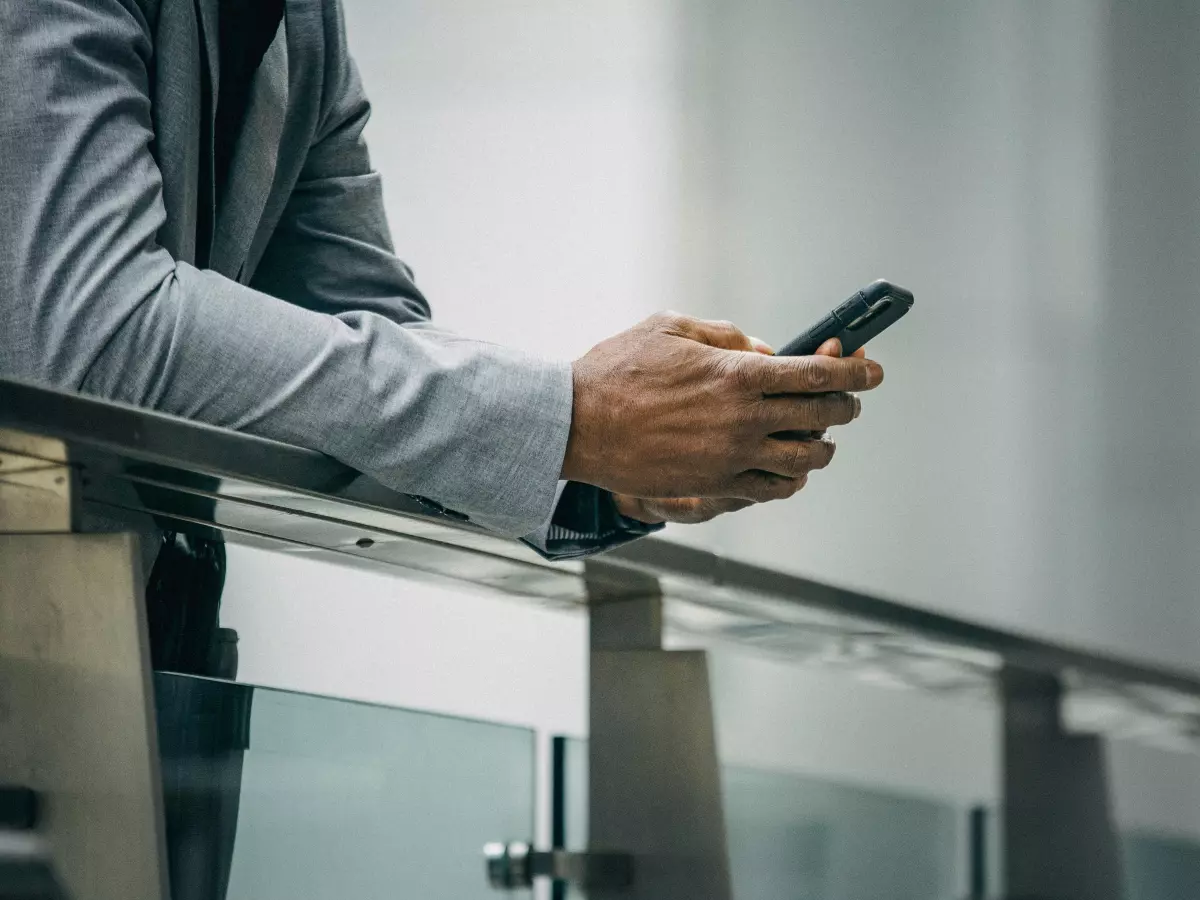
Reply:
x=556 y=171
x=530 y=156
x=1030 y=170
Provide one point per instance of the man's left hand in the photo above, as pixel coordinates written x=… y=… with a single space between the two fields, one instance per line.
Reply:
x=694 y=510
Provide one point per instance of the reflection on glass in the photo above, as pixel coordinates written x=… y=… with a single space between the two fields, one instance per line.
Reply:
x=342 y=799
x=805 y=839
x=1160 y=868
x=792 y=836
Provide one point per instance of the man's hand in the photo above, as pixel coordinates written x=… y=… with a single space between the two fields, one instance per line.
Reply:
x=682 y=510
x=694 y=510
x=675 y=408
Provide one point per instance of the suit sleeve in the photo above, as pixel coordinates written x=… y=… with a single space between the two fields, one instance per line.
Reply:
x=332 y=253
x=90 y=301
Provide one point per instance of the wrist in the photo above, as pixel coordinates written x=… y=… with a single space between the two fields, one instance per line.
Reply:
x=579 y=457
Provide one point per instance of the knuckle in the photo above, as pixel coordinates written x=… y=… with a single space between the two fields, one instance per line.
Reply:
x=845 y=409
x=808 y=455
x=723 y=333
x=784 y=488
x=732 y=448
x=811 y=454
x=823 y=411
x=816 y=375
x=724 y=461
x=758 y=487
x=861 y=378
x=741 y=424
x=777 y=487
x=742 y=374
x=669 y=320
x=805 y=413
x=800 y=457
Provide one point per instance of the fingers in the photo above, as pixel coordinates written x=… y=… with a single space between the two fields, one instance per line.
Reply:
x=807 y=412
x=634 y=508
x=793 y=459
x=808 y=374
x=833 y=347
x=692 y=511
x=763 y=487
x=715 y=333
x=720 y=334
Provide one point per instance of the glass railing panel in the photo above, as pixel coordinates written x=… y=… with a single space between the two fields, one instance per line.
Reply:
x=804 y=838
x=344 y=799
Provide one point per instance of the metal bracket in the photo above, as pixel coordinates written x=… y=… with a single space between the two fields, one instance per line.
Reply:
x=515 y=865
x=37 y=494
x=654 y=785
x=26 y=870
x=76 y=720
x=1059 y=835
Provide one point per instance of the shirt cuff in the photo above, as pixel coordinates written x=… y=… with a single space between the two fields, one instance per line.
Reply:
x=585 y=522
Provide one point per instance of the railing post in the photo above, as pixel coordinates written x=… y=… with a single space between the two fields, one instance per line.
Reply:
x=75 y=701
x=1060 y=842
x=654 y=784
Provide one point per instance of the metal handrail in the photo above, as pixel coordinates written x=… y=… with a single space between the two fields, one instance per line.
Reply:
x=138 y=462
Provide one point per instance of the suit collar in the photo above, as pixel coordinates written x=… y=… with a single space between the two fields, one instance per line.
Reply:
x=207 y=14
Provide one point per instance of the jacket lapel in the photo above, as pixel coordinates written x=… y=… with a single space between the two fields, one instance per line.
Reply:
x=304 y=77
x=255 y=157
x=207 y=12
x=178 y=130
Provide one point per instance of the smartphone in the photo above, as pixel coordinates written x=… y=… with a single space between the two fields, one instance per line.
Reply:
x=858 y=320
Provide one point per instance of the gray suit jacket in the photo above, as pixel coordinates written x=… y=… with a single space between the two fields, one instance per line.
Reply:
x=305 y=327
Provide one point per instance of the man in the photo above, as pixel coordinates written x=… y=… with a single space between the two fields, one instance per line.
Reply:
x=191 y=224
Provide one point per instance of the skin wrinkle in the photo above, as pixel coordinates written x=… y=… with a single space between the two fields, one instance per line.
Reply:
x=685 y=444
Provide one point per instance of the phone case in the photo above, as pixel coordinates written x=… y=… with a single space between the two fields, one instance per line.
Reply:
x=864 y=316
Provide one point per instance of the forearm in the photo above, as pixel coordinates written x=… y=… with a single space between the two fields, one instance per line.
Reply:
x=91 y=301
x=479 y=428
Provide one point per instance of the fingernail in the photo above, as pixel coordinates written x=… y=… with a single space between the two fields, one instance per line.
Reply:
x=762 y=346
x=857 y=405
x=874 y=373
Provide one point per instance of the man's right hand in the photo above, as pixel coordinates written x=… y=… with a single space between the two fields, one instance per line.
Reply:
x=675 y=407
